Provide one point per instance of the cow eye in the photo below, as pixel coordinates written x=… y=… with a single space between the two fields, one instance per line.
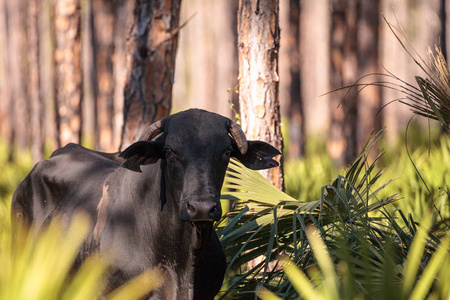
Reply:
x=167 y=151
x=228 y=152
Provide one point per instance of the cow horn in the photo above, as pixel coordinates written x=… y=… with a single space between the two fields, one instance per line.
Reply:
x=152 y=131
x=239 y=137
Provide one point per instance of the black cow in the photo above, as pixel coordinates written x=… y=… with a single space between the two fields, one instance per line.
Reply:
x=153 y=205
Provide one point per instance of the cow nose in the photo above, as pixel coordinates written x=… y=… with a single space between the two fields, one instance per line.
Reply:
x=203 y=211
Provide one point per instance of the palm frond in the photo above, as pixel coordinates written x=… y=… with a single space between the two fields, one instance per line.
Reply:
x=40 y=266
x=365 y=272
x=267 y=223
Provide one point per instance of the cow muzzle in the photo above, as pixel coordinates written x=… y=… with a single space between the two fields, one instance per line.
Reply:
x=201 y=210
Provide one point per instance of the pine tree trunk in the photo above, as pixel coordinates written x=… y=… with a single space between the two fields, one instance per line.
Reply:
x=342 y=145
x=34 y=85
x=5 y=91
x=104 y=46
x=259 y=34
x=444 y=19
x=47 y=74
x=123 y=21
x=369 y=100
x=89 y=74
x=396 y=61
x=151 y=50
x=68 y=71
x=315 y=20
x=17 y=72
x=290 y=89
x=225 y=54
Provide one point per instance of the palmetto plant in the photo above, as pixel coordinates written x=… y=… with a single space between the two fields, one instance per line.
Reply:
x=267 y=224
x=341 y=281
x=431 y=97
x=40 y=267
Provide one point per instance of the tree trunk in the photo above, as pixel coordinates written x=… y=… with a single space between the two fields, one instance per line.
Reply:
x=395 y=59
x=443 y=18
x=315 y=20
x=258 y=40
x=68 y=71
x=47 y=73
x=89 y=73
x=342 y=144
x=369 y=100
x=123 y=22
x=151 y=51
x=225 y=55
x=37 y=147
x=207 y=63
x=5 y=103
x=17 y=72
x=104 y=46
x=290 y=75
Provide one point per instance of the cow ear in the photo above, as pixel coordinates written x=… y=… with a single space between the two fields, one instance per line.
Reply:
x=141 y=153
x=259 y=156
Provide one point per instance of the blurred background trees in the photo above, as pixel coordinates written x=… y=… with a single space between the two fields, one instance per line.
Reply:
x=70 y=68
x=64 y=67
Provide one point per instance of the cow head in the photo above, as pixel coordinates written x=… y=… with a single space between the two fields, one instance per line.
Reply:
x=195 y=147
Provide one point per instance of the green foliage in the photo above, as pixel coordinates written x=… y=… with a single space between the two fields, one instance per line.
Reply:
x=272 y=223
x=12 y=172
x=416 y=278
x=367 y=241
x=40 y=267
x=305 y=177
x=431 y=193
x=369 y=249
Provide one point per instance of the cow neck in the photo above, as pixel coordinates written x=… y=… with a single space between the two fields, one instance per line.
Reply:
x=159 y=205
x=156 y=239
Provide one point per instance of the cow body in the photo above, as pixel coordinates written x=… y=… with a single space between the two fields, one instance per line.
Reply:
x=151 y=206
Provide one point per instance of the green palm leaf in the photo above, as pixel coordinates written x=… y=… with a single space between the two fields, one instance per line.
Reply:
x=267 y=223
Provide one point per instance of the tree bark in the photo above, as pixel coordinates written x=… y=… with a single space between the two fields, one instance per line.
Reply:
x=17 y=70
x=47 y=73
x=89 y=74
x=315 y=20
x=36 y=111
x=258 y=40
x=443 y=19
x=104 y=46
x=342 y=144
x=5 y=91
x=123 y=22
x=207 y=62
x=290 y=90
x=151 y=51
x=225 y=55
x=395 y=59
x=68 y=71
x=369 y=100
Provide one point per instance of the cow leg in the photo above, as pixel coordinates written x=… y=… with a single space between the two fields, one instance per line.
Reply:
x=209 y=270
